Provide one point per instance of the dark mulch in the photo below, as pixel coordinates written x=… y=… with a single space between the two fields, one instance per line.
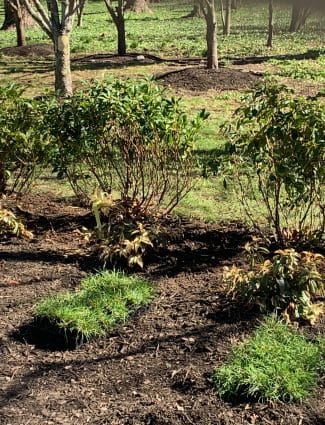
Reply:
x=33 y=50
x=156 y=369
x=202 y=79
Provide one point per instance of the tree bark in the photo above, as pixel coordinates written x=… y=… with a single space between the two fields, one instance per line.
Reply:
x=121 y=37
x=211 y=22
x=80 y=12
x=63 y=79
x=138 y=6
x=117 y=15
x=9 y=21
x=299 y=15
x=271 y=25
x=226 y=28
x=197 y=10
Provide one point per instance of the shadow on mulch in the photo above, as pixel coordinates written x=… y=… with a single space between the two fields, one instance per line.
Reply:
x=197 y=248
x=46 y=335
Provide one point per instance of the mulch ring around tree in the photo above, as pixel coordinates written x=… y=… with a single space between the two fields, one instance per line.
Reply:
x=154 y=369
x=31 y=50
x=200 y=79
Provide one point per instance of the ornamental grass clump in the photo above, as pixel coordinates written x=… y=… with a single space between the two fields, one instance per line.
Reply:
x=103 y=300
x=275 y=363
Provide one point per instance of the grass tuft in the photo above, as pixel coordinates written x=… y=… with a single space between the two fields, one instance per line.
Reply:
x=103 y=300
x=276 y=363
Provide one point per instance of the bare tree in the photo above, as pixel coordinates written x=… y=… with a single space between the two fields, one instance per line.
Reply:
x=301 y=9
x=196 y=11
x=117 y=15
x=57 y=24
x=226 y=16
x=80 y=11
x=9 y=20
x=16 y=16
x=209 y=12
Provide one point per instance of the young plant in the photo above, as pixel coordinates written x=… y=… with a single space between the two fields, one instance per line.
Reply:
x=287 y=283
x=275 y=363
x=103 y=300
x=119 y=231
x=22 y=145
x=126 y=138
x=10 y=225
x=276 y=155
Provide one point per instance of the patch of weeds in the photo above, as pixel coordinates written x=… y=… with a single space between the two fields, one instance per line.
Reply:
x=103 y=300
x=312 y=69
x=276 y=363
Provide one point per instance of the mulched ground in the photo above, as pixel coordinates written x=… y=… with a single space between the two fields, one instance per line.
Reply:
x=156 y=369
x=31 y=50
x=200 y=79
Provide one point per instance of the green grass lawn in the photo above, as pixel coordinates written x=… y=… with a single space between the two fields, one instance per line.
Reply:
x=167 y=33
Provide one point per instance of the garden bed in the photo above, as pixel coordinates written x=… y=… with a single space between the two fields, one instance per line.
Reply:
x=155 y=369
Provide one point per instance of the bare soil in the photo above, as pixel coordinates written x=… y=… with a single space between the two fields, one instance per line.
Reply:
x=155 y=369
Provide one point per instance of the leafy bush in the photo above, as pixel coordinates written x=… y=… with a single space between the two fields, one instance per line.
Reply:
x=276 y=363
x=287 y=283
x=276 y=148
x=120 y=232
x=125 y=138
x=9 y=224
x=22 y=146
x=103 y=300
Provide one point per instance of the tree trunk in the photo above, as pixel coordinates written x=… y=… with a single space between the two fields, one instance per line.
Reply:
x=271 y=25
x=9 y=21
x=226 y=28
x=63 y=80
x=120 y=26
x=211 y=22
x=300 y=13
x=117 y=15
x=80 y=12
x=197 y=10
x=20 y=25
x=138 y=6
x=235 y=4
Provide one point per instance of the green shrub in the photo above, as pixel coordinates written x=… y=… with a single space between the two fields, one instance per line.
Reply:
x=125 y=138
x=287 y=283
x=276 y=154
x=276 y=363
x=22 y=145
x=103 y=300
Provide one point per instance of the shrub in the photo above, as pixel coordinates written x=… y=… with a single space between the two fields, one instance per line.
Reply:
x=121 y=233
x=22 y=145
x=276 y=148
x=287 y=283
x=276 y=363
x=103 y=300
x=10 y=225
x=127 y=139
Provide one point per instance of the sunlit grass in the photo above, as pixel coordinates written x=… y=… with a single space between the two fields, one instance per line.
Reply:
x=276 y=363
x=103 y=300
